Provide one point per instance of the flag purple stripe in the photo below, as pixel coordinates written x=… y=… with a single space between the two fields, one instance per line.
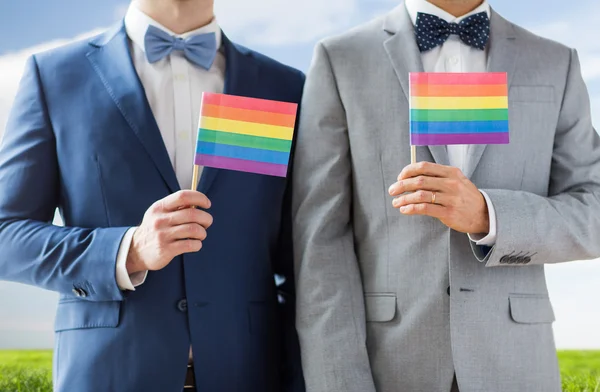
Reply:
x=424 y=139
x=270 y=169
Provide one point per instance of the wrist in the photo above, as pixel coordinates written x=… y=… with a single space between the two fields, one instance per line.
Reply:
x=484 y=220
x=134 y=263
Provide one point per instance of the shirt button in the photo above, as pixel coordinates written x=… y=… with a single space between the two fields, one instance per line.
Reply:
x=183 y=135
x=179 y=77
x=182 y=305
x=453 y=60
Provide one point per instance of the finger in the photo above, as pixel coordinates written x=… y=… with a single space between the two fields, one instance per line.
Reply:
x=183 y=216
x=434 y=184
x=428 y=169
x=177 y=248
x=433 y=210
x=184 y=199
x=418 y=197
x=191 y=231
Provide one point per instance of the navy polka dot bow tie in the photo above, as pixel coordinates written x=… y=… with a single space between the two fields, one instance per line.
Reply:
x=433 y=31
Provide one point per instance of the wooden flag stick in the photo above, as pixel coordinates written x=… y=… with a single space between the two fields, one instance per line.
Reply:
x=413 y=154
x=195 y=177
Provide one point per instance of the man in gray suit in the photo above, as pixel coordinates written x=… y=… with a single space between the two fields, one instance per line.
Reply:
x=430 y=277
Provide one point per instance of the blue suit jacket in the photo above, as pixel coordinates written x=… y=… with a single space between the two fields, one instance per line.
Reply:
x=81 y=137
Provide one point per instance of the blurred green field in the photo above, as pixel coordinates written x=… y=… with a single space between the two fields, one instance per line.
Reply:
x=30 y=371
x=580 y=370
x=25 y=371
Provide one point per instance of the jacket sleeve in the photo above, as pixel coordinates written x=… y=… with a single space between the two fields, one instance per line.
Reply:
x=34 y=252
x=565 y=225
x=330 y=304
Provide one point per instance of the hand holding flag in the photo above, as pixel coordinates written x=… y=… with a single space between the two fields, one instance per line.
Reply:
x=442 y=192
x=169 y=229
x=445 y=109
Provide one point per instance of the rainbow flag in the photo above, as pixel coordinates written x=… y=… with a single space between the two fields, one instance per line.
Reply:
x=245 y=134
x=458 y=108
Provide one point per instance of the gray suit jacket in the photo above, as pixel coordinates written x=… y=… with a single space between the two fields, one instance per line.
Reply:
x=392 y=303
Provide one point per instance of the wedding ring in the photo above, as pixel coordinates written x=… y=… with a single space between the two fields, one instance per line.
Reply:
x=433 y=195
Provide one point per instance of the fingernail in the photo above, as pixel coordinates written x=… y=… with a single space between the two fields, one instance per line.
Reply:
x=395 y=202
x=395 y=188
x=403 y=209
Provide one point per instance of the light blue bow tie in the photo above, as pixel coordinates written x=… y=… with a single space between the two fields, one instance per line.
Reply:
x=200 y=49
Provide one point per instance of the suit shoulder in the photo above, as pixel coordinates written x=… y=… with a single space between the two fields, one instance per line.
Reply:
x=540 y=43
x=279 y=70
x=282 y=82
x=66 y=51
x=367 y=33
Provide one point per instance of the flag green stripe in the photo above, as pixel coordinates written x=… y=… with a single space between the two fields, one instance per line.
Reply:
x=236 y=139
x=459 y=115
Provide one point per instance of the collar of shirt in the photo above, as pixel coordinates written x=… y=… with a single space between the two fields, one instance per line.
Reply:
x=137 y=22
x=415 y=6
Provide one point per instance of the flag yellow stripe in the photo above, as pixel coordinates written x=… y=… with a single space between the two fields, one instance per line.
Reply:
x=246 y=128
x=452 y=103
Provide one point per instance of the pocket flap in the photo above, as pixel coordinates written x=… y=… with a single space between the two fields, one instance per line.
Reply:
x=530 y=309
x=86 y=314
x=380 y=307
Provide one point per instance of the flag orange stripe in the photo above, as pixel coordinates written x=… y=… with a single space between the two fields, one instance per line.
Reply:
x=253 y=116
x=458 y=90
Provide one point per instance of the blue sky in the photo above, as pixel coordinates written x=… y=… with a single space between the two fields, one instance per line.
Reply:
x=287 y=30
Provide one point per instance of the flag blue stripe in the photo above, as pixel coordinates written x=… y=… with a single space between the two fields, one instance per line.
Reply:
x=449 y=127
x=245 y=153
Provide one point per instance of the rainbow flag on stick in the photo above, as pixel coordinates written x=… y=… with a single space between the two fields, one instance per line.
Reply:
x=245 y=134
x=458 y=108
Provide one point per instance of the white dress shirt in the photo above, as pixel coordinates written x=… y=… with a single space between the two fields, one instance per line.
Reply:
x=455 y=56
x=174 y=90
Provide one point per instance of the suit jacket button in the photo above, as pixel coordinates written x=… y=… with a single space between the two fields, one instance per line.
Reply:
x=182 y=305
x=83 y=293
x=76 y=292
x=448 y=291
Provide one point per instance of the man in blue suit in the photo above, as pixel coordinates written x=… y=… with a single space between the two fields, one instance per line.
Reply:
x=154 y=295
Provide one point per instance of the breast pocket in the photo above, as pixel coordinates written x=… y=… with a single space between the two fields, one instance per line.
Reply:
x=524 y=94
x=77 y=314
x=380 y=307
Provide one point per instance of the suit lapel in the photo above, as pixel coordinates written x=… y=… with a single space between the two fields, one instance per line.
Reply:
x=405 y=57
x=502 y=57
x=241 y=77
x=111 y=59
